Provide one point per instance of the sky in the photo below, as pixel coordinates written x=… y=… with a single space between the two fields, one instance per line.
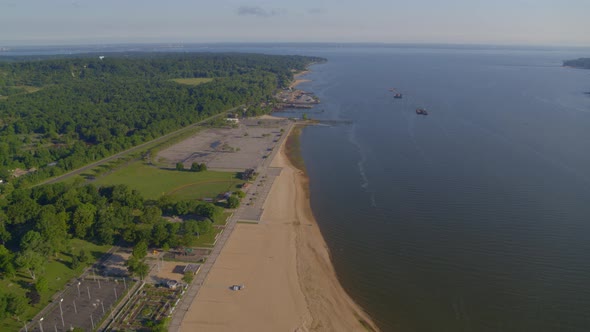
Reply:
x=508 y=22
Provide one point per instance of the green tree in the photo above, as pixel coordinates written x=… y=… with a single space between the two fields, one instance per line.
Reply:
x=137 y=267
x=75 y=262
x=233 y=202
x=6 y=262
x=161 y=326
x=31 y=261
x=82 y=220
x=208 y=210
x=188 y=277
x=83 y=256
x=179 y=166
x=32 y=240
x=140 y=250
x=41 y=285
x=160 y=234
x=195 y=167
x=3 y=307
x=53 y=228
x=15 y=304
x=205 y=227
x=151 y=215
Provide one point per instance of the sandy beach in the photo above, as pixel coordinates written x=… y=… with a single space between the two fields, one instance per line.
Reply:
x=298 y=80
x=284 y=263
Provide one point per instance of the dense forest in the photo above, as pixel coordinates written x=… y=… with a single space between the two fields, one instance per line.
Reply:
x=38 y=225
x=59 y=114
x=583 y=63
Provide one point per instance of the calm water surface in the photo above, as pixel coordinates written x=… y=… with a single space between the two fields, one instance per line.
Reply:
x=474 y=218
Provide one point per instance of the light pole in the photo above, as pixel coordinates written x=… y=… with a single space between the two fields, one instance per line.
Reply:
x=61 y=312
x=91 y=321
x=102 y=305
x=75 y=309
x=124 y=283
x=41 y=324
x=79 y=283
x=26 y=328
x=88 y=288
x=115 y=289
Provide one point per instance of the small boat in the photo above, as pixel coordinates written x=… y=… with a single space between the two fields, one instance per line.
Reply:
x=398 y=96
x=421 y=111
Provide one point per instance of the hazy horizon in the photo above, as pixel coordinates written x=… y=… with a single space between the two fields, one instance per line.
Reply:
x=503 y=22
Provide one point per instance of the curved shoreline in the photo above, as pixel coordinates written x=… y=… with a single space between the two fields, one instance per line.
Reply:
x=285 y=265
x=327 y=300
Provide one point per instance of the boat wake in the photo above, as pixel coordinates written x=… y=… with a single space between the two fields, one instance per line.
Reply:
x=361 y=163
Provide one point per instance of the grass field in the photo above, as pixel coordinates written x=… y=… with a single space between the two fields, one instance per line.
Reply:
x=28 y=88
x=222 y=219
x=154 y=182
x=57 y=273
x=192 y=81
x=20 y=90
x=207 y=240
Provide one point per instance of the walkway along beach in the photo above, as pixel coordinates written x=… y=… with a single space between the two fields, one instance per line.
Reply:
x=285 y=265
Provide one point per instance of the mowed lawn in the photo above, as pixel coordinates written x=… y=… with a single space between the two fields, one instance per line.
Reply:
x=154 y=182
x=192 y=81
x=57 y=272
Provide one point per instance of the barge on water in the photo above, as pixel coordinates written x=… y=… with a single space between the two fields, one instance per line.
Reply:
x=421 y=111
x=398 y=96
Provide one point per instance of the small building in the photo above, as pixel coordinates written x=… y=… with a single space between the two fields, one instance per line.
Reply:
x=232 y=120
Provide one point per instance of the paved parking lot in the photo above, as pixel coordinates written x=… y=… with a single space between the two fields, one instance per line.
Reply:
x=231 y=149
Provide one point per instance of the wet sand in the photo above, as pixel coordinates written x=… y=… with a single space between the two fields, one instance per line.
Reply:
x=284 y=263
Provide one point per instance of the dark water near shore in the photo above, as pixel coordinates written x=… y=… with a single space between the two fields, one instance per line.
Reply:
x=474 y=218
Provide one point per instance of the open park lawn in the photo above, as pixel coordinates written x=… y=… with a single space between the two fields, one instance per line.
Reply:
x=57 y=272
x=153 y=182
x=192 y=80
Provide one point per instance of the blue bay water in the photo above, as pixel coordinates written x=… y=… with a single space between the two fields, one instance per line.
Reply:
x=474 y=218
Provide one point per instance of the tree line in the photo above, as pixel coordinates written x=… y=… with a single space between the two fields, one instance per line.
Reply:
x=38 y=223
x=87 y=108
x=583 y=63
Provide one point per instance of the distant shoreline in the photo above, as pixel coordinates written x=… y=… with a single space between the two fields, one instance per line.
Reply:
x=297 y=80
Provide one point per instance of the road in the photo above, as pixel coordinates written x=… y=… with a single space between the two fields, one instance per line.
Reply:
x=131 y=150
